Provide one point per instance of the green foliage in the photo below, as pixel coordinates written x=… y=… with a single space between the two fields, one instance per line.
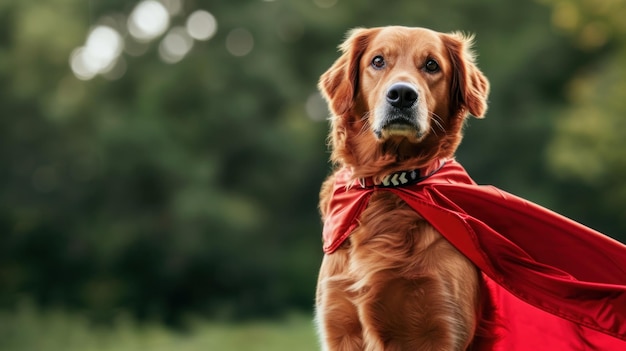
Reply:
x=587 y=146
x=192 y=187
x=28 y=329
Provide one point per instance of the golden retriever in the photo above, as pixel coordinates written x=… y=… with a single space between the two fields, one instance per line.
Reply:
x=399 y=97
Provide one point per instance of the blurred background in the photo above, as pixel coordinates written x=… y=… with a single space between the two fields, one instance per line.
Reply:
x=160 y=159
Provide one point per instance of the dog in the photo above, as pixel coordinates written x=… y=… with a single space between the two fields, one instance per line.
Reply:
x=398 y=98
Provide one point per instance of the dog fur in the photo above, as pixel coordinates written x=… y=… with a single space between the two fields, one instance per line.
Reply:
x=396 y=283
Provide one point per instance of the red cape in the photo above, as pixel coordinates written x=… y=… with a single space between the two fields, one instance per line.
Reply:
x=555 y=284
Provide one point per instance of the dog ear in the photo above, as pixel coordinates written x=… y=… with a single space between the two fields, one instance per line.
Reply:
x=469 y=88
x=339 y=84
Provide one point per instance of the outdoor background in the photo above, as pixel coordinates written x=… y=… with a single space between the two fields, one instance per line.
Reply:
x=160 y=161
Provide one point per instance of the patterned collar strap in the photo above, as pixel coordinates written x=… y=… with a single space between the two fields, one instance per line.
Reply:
x=398 y=179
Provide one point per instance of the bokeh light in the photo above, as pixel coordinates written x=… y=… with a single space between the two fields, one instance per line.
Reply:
x=104 y=44
x=148 y=20
x=80 y=65
x=99 y=55
x=239 y=42
x=316 y=107
x=174 y=7
x=175 y=45
x=134 y=34
x=201 y=25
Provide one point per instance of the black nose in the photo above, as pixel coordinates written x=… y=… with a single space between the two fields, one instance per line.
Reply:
x=401 y=95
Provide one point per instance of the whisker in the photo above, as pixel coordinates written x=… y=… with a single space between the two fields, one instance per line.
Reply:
x=433 y=130
x=364 y=125
x=438 y=121
x=366 y=115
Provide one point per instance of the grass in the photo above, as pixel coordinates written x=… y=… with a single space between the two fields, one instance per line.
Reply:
x=31 y=330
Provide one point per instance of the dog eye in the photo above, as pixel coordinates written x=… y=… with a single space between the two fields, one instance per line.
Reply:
x=431 y=66
x=378 y=62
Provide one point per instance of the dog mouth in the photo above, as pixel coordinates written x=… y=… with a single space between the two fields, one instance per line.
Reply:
x=399 y=125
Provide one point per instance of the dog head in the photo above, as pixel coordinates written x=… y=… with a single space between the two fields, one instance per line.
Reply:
x=399 y=97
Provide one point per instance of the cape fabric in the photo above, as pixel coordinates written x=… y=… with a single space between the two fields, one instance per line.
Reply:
x=555 y=284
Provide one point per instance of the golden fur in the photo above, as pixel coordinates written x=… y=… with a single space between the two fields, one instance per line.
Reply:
x=396 y=283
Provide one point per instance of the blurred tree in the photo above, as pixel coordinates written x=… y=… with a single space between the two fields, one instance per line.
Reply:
x=167 y=188
x=588 y=144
